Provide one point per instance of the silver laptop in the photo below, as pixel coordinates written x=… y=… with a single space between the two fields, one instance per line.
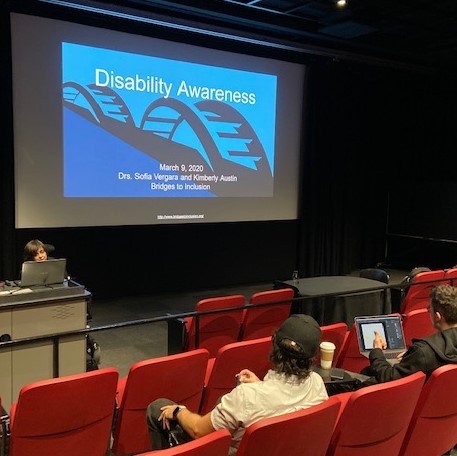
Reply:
x=389 y=327
x=49 y=272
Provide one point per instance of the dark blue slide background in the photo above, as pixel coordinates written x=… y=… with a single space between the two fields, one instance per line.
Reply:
x=90 y=172
x=134 y=123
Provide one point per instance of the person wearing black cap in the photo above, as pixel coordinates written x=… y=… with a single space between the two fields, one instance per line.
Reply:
x=289 y=386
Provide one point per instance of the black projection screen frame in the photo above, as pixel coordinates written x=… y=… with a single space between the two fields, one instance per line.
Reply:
x=39 y=136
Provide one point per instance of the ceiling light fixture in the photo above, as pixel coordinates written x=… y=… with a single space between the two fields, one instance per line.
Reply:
x=341 y=3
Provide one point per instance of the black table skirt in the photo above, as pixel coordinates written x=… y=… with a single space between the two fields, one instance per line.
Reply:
x=334 y=299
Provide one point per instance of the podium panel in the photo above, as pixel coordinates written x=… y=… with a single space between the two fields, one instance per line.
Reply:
x=41 y=312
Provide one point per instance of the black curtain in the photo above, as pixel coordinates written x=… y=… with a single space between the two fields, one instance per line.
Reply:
x=7 y=233
x=359 y=131
x=366 y=128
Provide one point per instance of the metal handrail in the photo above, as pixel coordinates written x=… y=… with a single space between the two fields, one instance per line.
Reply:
x=56 y=337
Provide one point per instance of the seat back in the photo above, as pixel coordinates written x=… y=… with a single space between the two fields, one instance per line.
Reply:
x=335 y=333
x=451 y=275
x=418 y=293
x=417 y=324
x=263 y=321
x=230 y=359
x=216 y=443
x=375 y=274
x=374 y=419
x=70 y=415
x=218 y=329
x=177 y=377
x=433 y=426
x=302 y=433
x=350 y=357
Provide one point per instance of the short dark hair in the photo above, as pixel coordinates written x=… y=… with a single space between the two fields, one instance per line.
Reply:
x=31 y=249
x=443 y=299
x=285 y=363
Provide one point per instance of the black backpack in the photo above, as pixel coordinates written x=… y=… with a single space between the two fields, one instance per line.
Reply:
x=410 y=276
x=406 y=282
x=92 y=354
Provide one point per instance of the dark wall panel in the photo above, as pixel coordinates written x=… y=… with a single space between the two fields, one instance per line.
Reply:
x=123 y=261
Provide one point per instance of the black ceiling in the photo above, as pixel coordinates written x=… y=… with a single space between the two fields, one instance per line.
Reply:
x=413 y=32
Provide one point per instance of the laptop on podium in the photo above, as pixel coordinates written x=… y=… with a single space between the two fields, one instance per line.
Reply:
x=389 y=327
x=44 y=273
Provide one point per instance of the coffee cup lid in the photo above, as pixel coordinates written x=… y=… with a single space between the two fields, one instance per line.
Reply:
x=327 y=345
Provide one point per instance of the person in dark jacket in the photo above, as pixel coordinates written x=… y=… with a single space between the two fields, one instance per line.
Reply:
x=425 y=354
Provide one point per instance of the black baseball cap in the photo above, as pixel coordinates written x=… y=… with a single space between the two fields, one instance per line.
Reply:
x=304 y=331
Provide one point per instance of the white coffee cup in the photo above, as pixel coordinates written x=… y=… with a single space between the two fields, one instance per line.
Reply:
x=327 y=350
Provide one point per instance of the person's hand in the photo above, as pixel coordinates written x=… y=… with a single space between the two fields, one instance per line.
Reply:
x=400 y=356
x=247 y=376
x=379 y=341
x=167 y=415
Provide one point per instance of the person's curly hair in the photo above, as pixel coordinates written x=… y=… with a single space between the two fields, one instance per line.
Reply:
x=443 y=299
x=284 y=361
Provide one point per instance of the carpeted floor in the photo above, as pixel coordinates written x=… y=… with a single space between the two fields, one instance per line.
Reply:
x=121 y=347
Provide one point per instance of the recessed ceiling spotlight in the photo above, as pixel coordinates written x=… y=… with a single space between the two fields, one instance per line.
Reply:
x=341 y=3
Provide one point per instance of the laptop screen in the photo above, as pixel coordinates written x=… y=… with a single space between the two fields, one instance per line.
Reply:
x=49 y=272
x=388 y=326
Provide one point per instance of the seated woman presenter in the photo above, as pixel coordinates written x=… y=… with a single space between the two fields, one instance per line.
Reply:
x=35 y=250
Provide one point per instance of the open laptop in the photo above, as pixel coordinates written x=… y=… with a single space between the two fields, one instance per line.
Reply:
x=44 y=273
x=389 y=327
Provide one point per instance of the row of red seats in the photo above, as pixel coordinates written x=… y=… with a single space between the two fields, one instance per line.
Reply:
x=218 y=330
x=417 y=295
x=73 y=415
x=405 y=417
x=206 y=379
x=259 y=320
x=207 y=387
x=221 y=328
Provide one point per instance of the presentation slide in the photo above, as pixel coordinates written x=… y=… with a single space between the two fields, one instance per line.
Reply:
x=113 y=128
x=140 y=126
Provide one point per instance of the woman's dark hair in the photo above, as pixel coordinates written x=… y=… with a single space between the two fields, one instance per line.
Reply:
x=31 y=249
x=284 y=363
